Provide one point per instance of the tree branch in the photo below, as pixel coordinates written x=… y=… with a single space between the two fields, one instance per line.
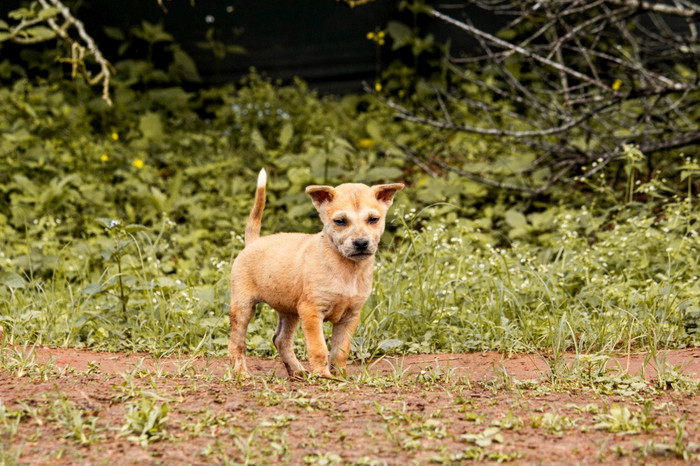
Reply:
x=662 y=8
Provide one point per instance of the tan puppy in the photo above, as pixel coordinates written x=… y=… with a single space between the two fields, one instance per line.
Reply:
x=315 y=278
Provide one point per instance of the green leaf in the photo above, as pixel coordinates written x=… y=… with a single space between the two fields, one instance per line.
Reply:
x=286 y=135
x=40 y=32
x=151 y=126
x=21 y=13
x=94 y=288
x=108 y=223
x=300 y=210
x=174 y=98
x=515 y=219
x=12 y=280
x=507 y=34
x=169 y=283
x=135 y=228
x=390 y=344
x=258 y=141
x=152 y=33
x=384 y=174
x=214 y=322
x=47 y=13
x=184 y=66
x=114 y=33
x=374 y=130
x=400 y=33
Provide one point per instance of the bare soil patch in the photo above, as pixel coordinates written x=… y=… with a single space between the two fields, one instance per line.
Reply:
x=442 y=408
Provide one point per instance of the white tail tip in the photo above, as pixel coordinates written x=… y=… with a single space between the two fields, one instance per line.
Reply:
x=262 y=178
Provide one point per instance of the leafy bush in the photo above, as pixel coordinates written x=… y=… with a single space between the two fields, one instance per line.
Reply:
x=117 y=228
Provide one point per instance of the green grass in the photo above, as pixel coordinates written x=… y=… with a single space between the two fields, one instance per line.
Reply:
x=438 y=288
x=578 y=287
x=107 y=253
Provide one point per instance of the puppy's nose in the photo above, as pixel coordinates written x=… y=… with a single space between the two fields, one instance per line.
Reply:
x=360 y=244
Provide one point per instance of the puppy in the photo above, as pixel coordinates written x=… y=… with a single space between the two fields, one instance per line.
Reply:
x=312 y=278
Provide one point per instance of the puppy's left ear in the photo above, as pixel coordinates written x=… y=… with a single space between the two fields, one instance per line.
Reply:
x=385 y=192
x=320 y=195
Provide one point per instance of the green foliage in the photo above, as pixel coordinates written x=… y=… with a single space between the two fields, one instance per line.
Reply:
x=117 y=228
x=583 y=279
x=145 y=421
x=79 y=425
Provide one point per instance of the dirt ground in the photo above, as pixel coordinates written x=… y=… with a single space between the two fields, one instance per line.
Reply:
x=67 y=406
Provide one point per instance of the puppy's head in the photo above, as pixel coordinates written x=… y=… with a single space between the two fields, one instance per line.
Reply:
x=354 y=215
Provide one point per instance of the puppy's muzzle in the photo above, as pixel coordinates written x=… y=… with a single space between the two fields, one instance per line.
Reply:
x=361 y=249
x=360 y=245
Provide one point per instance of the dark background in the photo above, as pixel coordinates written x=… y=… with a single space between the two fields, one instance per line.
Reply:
x=324 y=42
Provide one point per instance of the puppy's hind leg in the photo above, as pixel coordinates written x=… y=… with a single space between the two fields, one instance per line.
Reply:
x=240 y=314
x=284 y=342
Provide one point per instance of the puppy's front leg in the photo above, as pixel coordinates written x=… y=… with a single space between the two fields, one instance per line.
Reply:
x=341 y=339
x=284 y=342
x=312 y=325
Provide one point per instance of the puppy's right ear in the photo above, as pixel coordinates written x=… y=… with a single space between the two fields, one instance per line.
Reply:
x=320 y=195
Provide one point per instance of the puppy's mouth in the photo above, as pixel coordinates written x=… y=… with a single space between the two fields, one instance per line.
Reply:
x=360 y=255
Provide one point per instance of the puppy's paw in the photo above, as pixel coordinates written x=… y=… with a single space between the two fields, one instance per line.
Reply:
x=339 y=371
x=239 y=376
x=298 y=375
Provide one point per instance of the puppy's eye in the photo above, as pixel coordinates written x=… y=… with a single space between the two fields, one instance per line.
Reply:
x=372 y=220
x=341 y=222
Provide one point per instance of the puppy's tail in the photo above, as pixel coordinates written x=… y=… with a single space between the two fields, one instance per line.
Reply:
x=252 y=228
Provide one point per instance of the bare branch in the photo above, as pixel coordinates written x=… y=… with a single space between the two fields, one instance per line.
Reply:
x=408 y=115
x=80 y=48
x=688 y=11
x=579 y=80
x=513 y=48
x=105 y=66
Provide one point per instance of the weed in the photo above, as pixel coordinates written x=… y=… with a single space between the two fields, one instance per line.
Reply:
x=323 y=459
x=205 y=420
x=145 y=421
x=80 y=426
x=10 y=420
x=22 y=362
x=487 y=437
x=552 y=422
x=303 y=400
x=681 y=447
x=510 y=421
x=10 y=455
x=278 y=421
x=395 y=416
x=620 y=419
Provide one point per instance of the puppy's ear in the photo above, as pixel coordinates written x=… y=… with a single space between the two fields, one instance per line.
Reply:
x=385 y=192
x=320 y=195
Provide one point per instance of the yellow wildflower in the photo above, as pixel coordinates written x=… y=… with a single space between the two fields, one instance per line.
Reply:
x=377 y=37
x=378 y=86
x=617 y=84
x=365 y=143
x=115 y=136
x=138 y=163
x=380 y=37
x=104 y=157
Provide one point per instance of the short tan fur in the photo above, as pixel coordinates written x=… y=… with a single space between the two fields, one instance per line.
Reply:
x=310 y=278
